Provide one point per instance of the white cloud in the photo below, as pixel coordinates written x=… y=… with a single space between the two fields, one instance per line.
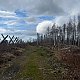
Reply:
x=2 y=30
x=9 y=23
x=42 y=7
x=7 y=14
x=60 y=20
x=31 y=19
x=61 y=9
x=38 y=7
x=69 y=6
x=10 y=18
x=42 y=27
x=22 y=34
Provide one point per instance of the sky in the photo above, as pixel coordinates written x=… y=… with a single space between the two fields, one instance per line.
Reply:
x=23 y=18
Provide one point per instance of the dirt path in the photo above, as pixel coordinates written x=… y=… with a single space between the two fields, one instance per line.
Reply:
x=36 y=63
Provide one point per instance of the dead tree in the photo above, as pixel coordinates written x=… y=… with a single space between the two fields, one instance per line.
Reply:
x=61 y=35
x=78 y=30
x=53 y=34
x=74 y=32
x=38 y=39
x=69 y=33
x=48 y=35
x=64 y=33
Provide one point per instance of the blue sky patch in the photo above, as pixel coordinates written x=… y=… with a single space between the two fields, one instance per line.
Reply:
x=46 y=17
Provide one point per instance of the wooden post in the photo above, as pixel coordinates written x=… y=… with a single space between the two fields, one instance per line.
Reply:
x=4 y=38
x=11 y=39
x=16 y=40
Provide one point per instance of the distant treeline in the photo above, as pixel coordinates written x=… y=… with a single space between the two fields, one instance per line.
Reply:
x=68 y=34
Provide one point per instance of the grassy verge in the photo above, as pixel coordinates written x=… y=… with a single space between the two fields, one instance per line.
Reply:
x=39 y=64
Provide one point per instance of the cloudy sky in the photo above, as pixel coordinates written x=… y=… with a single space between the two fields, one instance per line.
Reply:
x=20 y=17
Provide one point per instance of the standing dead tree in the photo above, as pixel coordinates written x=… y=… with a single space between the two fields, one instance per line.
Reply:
x=68 y=34
x=64 y=33
x=38 y=38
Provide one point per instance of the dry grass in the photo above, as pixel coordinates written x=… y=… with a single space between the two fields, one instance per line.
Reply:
x=71 y=57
